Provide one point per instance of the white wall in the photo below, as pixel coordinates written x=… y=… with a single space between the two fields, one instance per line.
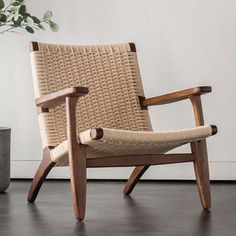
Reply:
x=180 y=44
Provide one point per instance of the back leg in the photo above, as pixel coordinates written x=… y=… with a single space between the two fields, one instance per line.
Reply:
x=41 y=174
x=134 y=178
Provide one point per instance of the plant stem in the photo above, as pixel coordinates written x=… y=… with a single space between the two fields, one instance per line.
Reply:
x=7 y=30
x=8 y=6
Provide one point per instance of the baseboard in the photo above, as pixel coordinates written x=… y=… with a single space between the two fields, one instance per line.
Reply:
x=220 y=170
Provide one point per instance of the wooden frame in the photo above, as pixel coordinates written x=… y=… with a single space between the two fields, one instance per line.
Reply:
x=199 y=148
x=78 y=162
x=176 y=96
x=57 y=98
x=41 y=174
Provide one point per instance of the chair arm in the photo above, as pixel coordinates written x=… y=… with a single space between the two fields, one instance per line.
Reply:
x=176 y=96
x=56 y=98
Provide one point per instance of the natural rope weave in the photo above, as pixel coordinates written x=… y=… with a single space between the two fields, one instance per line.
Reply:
x=110 y=72
x=123 y=142
x=112 y=75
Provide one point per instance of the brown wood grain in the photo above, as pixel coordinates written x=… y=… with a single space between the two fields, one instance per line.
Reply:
x=96 y=133
x=44 y=168
x=132 y=47
x=77 y=161
x=140 y=160
x=56 y=98
x=176 y=96
x=34 y=46
x=134 y=178
x=199 y=148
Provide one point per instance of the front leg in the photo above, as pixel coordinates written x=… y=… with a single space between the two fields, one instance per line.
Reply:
x=77 y=161
x=201 y=166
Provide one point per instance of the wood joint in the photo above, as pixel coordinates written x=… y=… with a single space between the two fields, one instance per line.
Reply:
x=214 y=129
x=42 y=110
x=132 y=47
x=96 y=134
x=34 y=46
x=141 y=102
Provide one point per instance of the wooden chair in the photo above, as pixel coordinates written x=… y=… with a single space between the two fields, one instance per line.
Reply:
x=109 y=126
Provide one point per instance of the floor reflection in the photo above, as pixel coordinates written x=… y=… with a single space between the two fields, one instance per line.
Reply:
x=149 y=211
x=204 y=223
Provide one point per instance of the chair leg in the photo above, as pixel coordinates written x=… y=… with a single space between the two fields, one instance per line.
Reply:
x=77 y=161
x=44 y=168
x=78 y=184
x=201 y=163
x=202 y=173
x=134 y=178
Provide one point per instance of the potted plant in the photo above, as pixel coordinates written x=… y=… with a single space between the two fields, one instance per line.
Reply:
x=14 y=16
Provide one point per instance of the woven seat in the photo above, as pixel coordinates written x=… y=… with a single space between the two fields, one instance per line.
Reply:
x=78 y=88
x=105 y=142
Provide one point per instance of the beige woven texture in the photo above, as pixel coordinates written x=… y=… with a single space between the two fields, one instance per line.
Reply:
x=126 y=142
x=111 y=73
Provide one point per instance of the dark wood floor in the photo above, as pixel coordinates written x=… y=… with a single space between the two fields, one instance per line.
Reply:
x=155 y=208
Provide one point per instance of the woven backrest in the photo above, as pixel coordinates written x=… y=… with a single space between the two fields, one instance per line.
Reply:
x=110 y=72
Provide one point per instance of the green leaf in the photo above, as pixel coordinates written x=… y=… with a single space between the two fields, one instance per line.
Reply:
x=29 y=29
x=54 y=27
x=18 y=22
x=22 y=9
x=16 y=16
x=3 y=18
x=41 y=27
x=16 y=4
x=25 y=16
x=47 y=15
x=30 y=21
x=2 y=4
x=35 y=19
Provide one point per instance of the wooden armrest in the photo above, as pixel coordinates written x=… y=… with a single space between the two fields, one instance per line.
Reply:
x=56 y=98
x=176 y=96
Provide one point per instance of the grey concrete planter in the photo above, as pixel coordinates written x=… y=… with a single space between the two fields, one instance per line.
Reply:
x=5 y=136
